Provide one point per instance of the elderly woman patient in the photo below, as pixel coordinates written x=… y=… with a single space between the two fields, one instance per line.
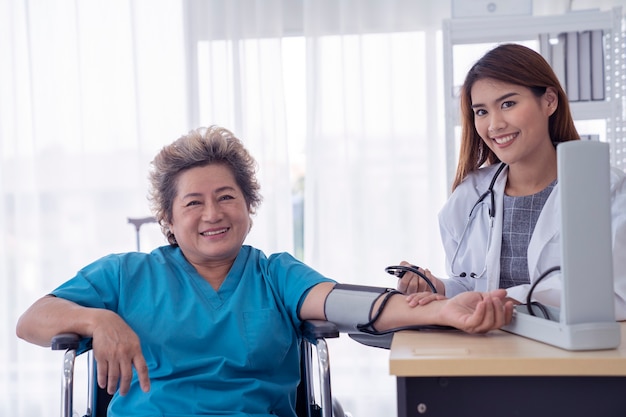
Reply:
x=206 y=325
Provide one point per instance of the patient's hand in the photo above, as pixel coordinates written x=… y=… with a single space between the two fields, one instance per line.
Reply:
x=476 y=312
x=117 y=350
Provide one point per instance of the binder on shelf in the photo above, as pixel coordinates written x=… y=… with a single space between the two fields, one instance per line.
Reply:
x=545 y=48
x=558 y=58
x=597 y=65
x=584 y=65
x=571 y=66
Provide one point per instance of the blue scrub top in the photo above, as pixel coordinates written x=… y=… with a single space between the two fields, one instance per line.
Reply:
x=231 y=352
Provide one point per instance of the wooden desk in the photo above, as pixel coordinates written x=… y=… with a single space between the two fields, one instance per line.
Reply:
x=454 y=374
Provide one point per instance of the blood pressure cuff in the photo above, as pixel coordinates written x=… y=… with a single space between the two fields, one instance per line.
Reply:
x=350 y=306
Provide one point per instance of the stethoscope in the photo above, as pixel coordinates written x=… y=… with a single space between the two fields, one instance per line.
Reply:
x=472 y=214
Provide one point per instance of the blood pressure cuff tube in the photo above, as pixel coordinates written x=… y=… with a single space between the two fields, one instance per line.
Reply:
x=349 y=306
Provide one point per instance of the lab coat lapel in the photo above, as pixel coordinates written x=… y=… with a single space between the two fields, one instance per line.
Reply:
x=493 y=255
x=547 y=227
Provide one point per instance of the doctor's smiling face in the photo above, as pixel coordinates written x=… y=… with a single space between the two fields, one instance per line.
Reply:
x=512 y=106
x=512 y=120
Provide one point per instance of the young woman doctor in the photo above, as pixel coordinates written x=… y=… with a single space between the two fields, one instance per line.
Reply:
x=514 y=113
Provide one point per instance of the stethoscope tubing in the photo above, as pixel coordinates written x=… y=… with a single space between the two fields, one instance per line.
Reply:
x=400 y=270
x=470 y=218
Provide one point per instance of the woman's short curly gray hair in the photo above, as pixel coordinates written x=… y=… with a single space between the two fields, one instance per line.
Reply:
x=200 y=147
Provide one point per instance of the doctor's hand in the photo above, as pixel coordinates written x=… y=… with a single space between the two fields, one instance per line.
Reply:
x=422 y=298
x=413 y=283
x=117 y=350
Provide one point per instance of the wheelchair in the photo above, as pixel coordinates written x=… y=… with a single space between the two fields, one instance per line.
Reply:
x=309 y=403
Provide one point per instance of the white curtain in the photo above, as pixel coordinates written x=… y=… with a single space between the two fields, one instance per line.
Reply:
x=235 y=79
x=339 y=101
x=375 y=173
x=89 y=91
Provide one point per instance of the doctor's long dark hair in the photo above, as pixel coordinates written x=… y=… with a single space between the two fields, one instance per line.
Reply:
x=513 y=64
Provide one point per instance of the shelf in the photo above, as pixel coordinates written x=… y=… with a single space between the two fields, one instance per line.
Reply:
x=519 y=28
x=591 y=110
x=501 y=29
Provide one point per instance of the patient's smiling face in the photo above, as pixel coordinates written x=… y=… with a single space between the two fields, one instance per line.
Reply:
x=210 y=216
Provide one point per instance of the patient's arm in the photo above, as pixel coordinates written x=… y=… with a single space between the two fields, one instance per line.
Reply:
x=472 y=312
x=116 y=346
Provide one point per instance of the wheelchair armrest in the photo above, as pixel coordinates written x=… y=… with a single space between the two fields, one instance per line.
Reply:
x=73 y=341
x=65 y=341
x=318 y=329
x=73 y=344
x=314 y=335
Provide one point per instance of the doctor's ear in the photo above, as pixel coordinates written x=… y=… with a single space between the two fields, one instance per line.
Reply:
x=552 y=99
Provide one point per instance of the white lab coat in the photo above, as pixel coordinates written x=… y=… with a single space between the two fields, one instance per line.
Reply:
x=544 y=249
